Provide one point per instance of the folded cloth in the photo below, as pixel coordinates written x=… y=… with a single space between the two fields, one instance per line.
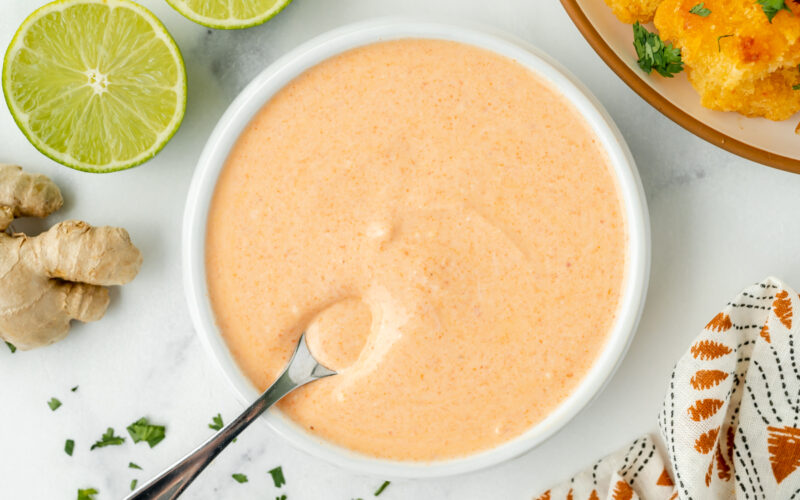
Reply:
x=730 y=424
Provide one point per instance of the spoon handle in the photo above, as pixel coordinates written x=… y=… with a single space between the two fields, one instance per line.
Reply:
x=171 y=483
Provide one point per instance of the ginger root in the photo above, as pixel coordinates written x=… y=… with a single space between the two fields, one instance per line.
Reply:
x=60 y=275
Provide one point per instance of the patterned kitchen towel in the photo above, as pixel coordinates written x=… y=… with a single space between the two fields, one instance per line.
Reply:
x=730 y=424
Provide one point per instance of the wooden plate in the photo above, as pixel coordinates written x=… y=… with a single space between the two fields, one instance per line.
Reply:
x=772 y=143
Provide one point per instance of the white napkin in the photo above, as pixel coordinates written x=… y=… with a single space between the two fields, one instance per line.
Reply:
x=730 y=424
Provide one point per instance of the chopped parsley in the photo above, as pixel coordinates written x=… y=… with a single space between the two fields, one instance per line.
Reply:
x=216 y=422
x=11 y=347
x=719 y=47
x=383 y=487
x=69 y=446
x=654 y=54
x=87 y=494
x=282 y=497
x=700 y=10
x=796 y=87
x=772 y=7
x=74 y=389
x=108 y=439
x=277 y=476
x=133 y=484
x=143 y=430
x=132 y=465
x=53 y=404
x=240 y=478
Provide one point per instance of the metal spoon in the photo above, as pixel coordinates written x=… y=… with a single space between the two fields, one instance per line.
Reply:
x=302 y=369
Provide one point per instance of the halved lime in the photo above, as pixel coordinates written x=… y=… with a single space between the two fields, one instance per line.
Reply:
x=229 y=14
x=97 y=85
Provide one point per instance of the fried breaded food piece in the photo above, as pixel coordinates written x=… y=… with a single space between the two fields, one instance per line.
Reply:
x=753 y=70
x=630 y=11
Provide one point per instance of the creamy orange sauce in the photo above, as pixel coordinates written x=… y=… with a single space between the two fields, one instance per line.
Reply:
x=445 y=225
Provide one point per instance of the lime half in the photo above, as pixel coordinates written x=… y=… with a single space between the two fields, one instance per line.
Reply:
x=229 y=14
x=97 y=85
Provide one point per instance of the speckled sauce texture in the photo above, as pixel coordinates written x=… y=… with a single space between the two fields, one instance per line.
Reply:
x=447 y=228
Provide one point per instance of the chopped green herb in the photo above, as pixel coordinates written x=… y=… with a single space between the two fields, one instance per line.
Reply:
x=700 y=10
x=74 y=389
x=719 y=47
x=87 y=494
x=108 y=439
x=143 y=430
x=277 y=476
x=11 y=347
x=133 y=484
x=772 y=7
x=796 y=87
x=240 y=478
x=383 y=487
x=216 y=422
x=69 y=446
x=132 y=465
x=282 y=497
x=54 y=404
x=654 y=54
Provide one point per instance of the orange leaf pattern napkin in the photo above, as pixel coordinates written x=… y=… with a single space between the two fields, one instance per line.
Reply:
x=730 y=424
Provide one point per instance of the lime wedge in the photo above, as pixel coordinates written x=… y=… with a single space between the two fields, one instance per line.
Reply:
x=97 y=85
x=229 y=14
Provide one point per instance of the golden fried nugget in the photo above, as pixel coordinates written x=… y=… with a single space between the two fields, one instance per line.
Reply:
x=735 y=58
x=630 y=11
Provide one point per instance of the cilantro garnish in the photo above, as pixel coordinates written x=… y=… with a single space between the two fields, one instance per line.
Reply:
x=143 y=430
x=53 y=404
x=240 y=478
x=108 y=439
x=133 y=484
x=796 y=87
x=719 y=47
x=132 y=465
x=700 y=10
x=772 y=7
x=87 y=494
x=216 y=422
x=277 y=476
x=69 y=446
x=654 y=54
x=383 y=487
x=11 y=347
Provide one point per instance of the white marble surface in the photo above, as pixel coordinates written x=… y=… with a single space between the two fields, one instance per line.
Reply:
x=718 y=222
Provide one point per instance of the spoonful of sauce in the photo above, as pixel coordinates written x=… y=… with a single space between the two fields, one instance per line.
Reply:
x=302 y=369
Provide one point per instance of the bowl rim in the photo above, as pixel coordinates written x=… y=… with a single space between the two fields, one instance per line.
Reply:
x=285 y=69
x=664 y=105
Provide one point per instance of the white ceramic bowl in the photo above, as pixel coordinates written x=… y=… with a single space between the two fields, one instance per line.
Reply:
x=272 y=79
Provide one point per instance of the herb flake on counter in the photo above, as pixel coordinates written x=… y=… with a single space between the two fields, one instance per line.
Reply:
x=383 y=487
x=69 y=446
x=282 y=497
x=654 y=54
x=700 y=10
x=87 y=494
x=74 y=389
x=772 y=7
x=719 y=47
x=132 y=465
x=108 y=439
x=143 y=430
x=133 y=484
x=216 y=422
x=54 y=404
x=240 y=478
x=277 y=476
x=11 y=347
